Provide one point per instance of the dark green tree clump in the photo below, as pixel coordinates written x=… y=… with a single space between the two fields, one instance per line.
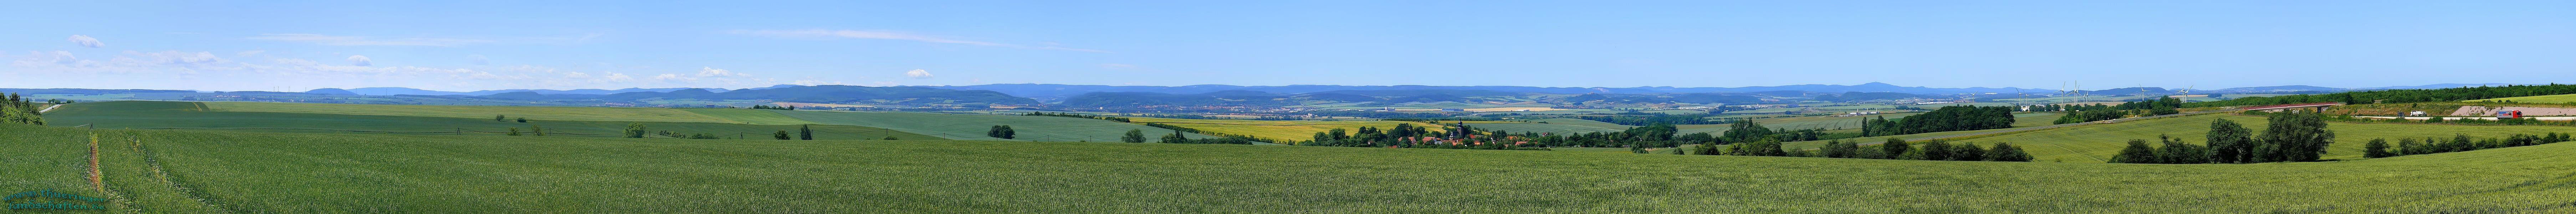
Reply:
x=1947 y=118
x=1001 y=131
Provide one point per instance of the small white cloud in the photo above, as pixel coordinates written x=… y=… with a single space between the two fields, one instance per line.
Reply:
x=86 y=41
x=917 y=73
x=673 y=77
x=361 y=60
x=713 y=72
x=478 y=59
x=618 y=77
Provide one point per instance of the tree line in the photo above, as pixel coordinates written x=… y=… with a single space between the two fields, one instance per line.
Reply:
x=2099 y=112
x=2290 y=137
x=1947 y=118
x=1892 y=149
x=773 y=107
x=2379 y=148
x=18 y=110
x=2401 y=95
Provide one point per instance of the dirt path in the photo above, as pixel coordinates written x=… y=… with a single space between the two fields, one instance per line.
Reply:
x=48 y=108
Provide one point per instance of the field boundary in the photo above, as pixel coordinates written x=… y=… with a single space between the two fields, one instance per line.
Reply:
x=1982 y=134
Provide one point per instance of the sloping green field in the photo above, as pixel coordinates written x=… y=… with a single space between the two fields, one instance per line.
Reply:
x=972 y=127
x=486 y=112
x=158 y=114
x=2097 y=143
x=2562 y=98
x=240 y=172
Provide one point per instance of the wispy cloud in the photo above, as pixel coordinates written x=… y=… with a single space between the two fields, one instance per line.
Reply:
x=890 y=35
x=366 y=41
x=86 y=41
x=917 y=73
x=361 y=60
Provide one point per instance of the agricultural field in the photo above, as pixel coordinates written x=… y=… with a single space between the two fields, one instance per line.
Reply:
x=531 y=112
x=2097 y=143
x=1293 y=130
x=238 y=172
x=1864 y=107
x=2562 y=98
x=973 y=126
x=187 y=115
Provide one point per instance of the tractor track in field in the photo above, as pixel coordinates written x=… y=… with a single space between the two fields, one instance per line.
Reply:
x=179 y=183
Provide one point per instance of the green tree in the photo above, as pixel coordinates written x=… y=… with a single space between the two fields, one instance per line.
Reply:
x=2007 y=152
x=539 y=130
x=523 y=119
x=1894 y=148
x=634 y=130
x=890 y=137
x=1936 y=150
x=1133 y=136
x=1839 y=149
x=1176 y=137
x=999 y=131
x=2378 y=148
x=805 y=132
x=514 y=131
x=2230 y=142
x=782 y=135
x=2137 y=152
x=2300 y=136
x=2176 y=151
x=1968 y=152
x=498 y=118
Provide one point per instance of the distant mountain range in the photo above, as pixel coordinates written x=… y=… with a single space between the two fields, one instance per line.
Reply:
x=1059 y=90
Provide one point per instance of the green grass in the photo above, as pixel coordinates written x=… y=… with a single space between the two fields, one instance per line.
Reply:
x=486 y=112
x=157 y=114
x=972 y=126
x=369 y=173
x=1276 y=129
x=750 y=116
x=2562 y=98
x=2097 y=143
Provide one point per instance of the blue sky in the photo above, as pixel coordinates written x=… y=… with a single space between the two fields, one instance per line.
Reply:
x=476 y=45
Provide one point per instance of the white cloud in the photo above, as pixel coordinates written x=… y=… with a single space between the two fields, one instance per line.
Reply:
x=479 y=59
x=86 y=41
x=917 y=73
x=674 y=77
x=360 y=60
x=890 y=35
x=713 y=72
x=364 y=41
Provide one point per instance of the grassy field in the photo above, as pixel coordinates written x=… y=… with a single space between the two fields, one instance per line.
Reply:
x=972 y=126
x=1292 y=130
x=2097 y=143
x=485 y=112
x=156 y=114
x=237 y=172
x=2562 y=98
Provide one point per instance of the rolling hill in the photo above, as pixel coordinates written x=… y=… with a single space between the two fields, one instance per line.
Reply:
x=242 y=172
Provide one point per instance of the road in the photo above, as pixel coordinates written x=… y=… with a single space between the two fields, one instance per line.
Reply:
x=48 y=108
